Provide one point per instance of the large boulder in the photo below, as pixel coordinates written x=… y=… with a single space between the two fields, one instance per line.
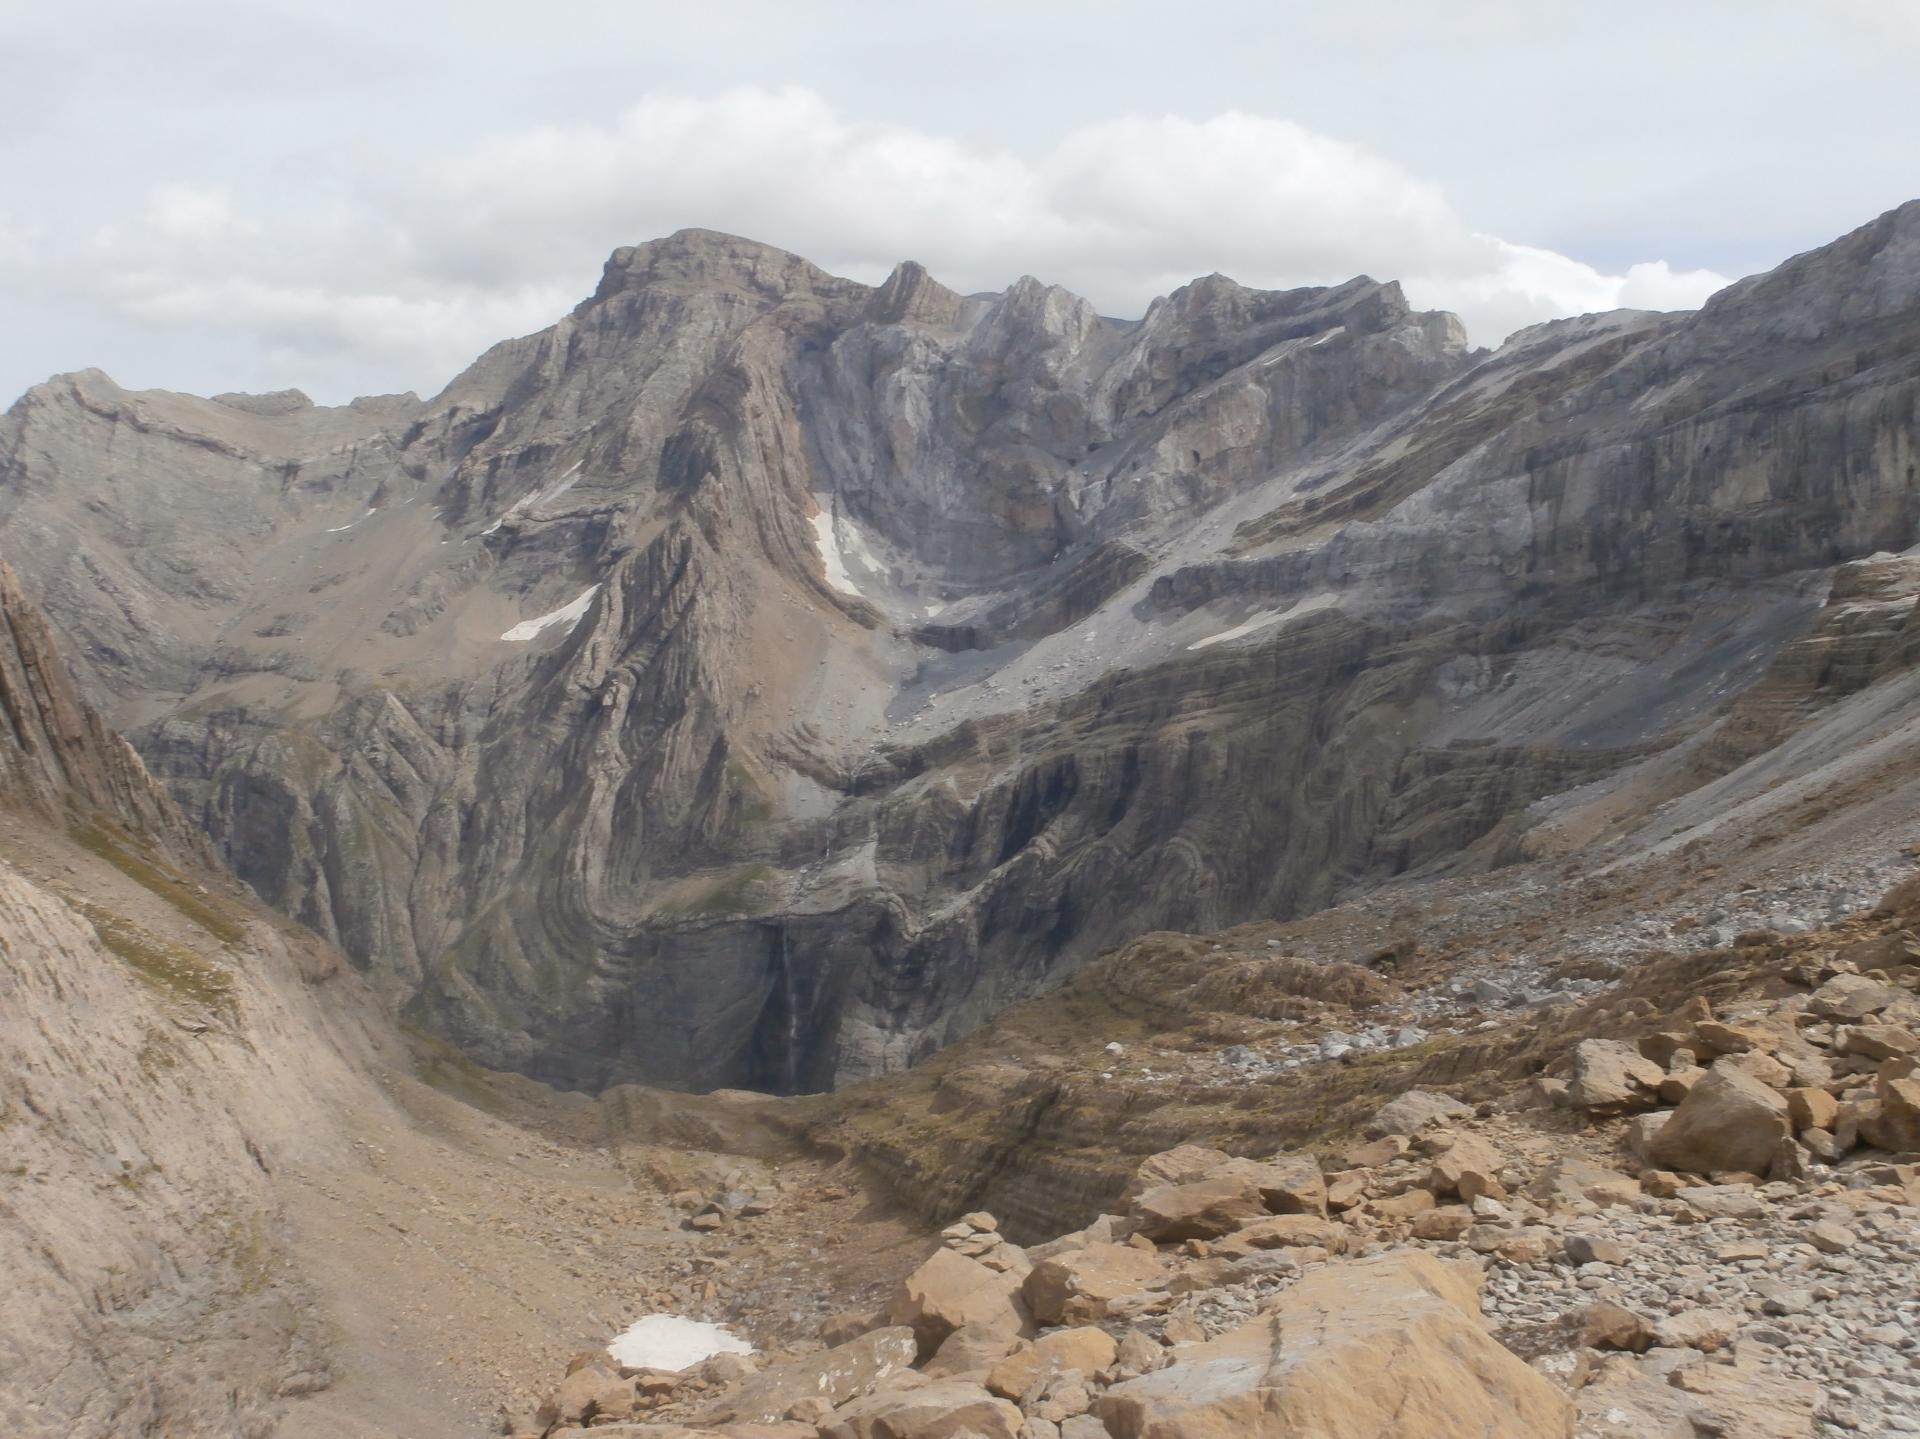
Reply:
x=1850 y=998
x=1414 y=1111
x=1182 y=1164
x=1203 y=1209
x=1728 y=1121
x=951 y=1290
x=1612 y=1078
x=1468 y=1167
x=1285 y=1231
x=1079 y=1284
x=835 y=1375
x=943 y=1409
x=1362 y=1350
x=1288 y=1183
x=1085 y=1349
x=1894 y=1123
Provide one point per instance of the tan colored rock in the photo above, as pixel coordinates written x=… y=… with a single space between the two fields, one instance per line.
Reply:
x=1202 y=1209
x=1729 y=1121
x=1890 y=952
x=1414 y=1111
x=1723 y=1038
x=1377 y=1152
x=1677 y=1084
x=1290 y=1184
x=1811 y=1108
x=1283 y=1231
x=1346 y=1189
x=1703 y=1329
x=1606 y=1325
x=1893 y=1123
x=1085 y=1349
x=589 y=1392
x=1749 y=1400
x=949 y=1291
x=1448 y=1222
x=1402 y=1206
x=1079 y=1285
x=1763 y=1067
x=1570 y=1179
x=1639 y=1399
x=1594 y=1249
x=944 y=1409
x=1184 y=1164
x=1852 y=998
x=970 y=1352
x=1612 y=1078
x=835 y=1375
x=1359 y=1350
x=1468 y=1167
x=1876 y=1041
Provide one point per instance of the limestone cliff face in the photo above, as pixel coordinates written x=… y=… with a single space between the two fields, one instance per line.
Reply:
x=759 y=678
x=166 y=1050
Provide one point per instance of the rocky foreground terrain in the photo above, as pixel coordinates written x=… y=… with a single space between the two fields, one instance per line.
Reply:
x=761 y=679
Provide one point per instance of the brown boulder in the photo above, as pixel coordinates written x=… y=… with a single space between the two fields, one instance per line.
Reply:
x=1893 y=1124
x=944 y=1409
x=951 y=1290
x=1412 y=1112
x=1289 y=1183
x=1468 y=1167
x=1359 y=1350
x=1605 y=1325
x=835 y=1375
x=1202 y=1209
x=1284 y=1231
x=1728 y=1121
x=1183 y=1164
x=1851 y=998
x=1080 y=1284
x=1612 y=1078
x=1809 y=1108
x=1085 y=1349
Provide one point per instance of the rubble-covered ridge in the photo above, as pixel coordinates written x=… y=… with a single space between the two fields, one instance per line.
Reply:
x=1703 y=1220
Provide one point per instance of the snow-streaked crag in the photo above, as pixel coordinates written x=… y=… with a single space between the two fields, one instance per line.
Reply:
x=757 y=678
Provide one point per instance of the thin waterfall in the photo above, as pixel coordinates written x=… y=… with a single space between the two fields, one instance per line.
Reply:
x=793 y=1013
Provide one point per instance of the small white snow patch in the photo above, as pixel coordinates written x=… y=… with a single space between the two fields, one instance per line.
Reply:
x=668 y=1341
x=568 y=614
x=1258 y=622
x=831 y=555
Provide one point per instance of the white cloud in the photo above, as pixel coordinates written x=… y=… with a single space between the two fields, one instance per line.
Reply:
x=408 y=270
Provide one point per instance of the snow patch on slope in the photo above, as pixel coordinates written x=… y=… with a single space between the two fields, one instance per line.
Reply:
x=568 y=614
x=669 y=1341
x=1245 y=627
x=844 y=550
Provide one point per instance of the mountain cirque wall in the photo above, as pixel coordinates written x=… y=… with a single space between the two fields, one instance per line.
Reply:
x=758 y=679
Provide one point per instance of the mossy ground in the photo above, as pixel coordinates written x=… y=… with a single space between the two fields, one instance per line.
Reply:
x=106 y=840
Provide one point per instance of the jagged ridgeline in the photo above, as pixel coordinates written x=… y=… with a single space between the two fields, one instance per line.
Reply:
x=758 y=678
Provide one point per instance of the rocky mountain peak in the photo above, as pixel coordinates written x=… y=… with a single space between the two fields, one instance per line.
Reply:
x=912 y=296
x=1869 y=275
x=709 y=261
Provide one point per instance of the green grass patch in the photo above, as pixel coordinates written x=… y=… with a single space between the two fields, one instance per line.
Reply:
x=126 y=854
x=174 y=971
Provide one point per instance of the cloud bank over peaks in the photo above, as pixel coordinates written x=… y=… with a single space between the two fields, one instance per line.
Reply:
x=397 y=270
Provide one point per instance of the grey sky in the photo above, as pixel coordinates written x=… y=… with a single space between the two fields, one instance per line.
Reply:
x=354 y=197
